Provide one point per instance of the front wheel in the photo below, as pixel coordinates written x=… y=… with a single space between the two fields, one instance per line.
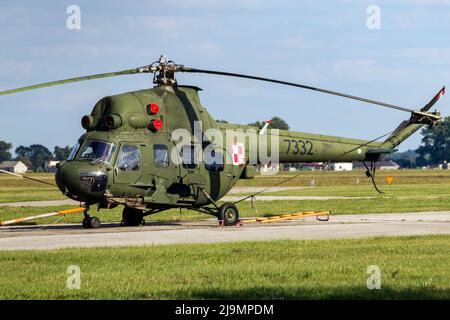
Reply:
x=229 y=214
x=91 y=223
x=95 y=222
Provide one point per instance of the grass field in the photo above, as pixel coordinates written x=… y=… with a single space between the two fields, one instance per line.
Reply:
x=14 y=189
x=411 y=268
x=350 y=178
x=419 y=190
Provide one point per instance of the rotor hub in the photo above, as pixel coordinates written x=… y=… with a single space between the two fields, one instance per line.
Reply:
x=163 y=71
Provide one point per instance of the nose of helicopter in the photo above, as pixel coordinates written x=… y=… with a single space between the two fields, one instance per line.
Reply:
x=82 y=181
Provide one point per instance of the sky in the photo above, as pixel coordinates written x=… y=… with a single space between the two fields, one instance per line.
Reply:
x=403 y=58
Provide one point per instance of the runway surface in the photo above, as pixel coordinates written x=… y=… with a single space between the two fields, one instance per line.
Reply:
x=208 y=231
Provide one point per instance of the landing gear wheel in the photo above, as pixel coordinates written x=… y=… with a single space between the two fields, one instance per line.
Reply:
x=86 y=222
x=95 y=222
x=229 y=214
x=132 y=217
x=91 y=223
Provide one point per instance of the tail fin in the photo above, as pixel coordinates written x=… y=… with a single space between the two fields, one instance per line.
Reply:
x=418 y=120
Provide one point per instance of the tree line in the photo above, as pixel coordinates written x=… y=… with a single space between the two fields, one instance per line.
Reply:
x=33 y=156
x=276 y=123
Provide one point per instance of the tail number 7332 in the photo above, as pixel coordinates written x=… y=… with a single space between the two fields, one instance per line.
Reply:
x=299 y=147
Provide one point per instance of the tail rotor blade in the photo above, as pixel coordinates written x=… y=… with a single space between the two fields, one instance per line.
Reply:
x=434 y=100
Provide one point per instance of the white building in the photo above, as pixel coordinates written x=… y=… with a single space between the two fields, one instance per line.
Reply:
x=387 y=165
x=340 y=166
x=14 y=166
x=269 y=168
x=50 y=166
x=380 y=165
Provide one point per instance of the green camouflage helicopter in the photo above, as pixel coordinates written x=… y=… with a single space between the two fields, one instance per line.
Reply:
x=129 y=155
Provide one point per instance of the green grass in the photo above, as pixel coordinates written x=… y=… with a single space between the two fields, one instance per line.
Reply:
x=411 y=268
x=17 y=194
x=351 y=178
x=395 y=190
x=7 y=180
x=15 y=189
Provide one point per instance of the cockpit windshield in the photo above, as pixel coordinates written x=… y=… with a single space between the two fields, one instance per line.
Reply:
x=73 y=152
x=97 y=151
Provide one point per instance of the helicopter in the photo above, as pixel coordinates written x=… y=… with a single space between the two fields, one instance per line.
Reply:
x=129 y=156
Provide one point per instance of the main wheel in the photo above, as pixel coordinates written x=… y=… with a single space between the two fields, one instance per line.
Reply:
x=95 y=222
x=229 y=214
x=132 y=217
x=86 y=222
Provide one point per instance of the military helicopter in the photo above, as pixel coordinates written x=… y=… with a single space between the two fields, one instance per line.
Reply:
x=126 y=156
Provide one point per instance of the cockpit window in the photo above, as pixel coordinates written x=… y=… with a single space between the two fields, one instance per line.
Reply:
x=73 y=152
x=129 y=158
x=97 y=151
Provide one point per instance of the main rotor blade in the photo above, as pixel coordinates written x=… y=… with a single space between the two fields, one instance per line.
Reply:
x=77 y=79
x=336 y=93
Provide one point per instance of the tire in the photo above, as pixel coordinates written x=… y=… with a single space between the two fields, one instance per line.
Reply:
x=229 y=214
x=95 y=222
x=86 y=223
x=132 y=217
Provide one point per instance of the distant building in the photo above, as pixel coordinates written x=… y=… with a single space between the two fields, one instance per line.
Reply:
x=444 y=165
x=14 y=166
x=340 y=166
x=50 y=166
x=312 y=166
x=380 y=165
x=269 y=168
x=388 y=165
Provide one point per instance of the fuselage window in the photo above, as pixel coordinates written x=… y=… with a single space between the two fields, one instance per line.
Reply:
x=161 y=155
x=214 y=161
x=189 y=157
x=129 y=158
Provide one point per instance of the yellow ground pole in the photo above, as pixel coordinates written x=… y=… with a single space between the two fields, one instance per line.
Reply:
x=44 y=215
x=284 y=217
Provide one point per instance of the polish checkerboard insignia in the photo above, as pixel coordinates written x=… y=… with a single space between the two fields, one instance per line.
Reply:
x=238 y=152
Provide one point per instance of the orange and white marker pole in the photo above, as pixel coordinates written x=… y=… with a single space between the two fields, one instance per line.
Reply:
x=44 y=215
x=11 y=173
x=266 y=125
